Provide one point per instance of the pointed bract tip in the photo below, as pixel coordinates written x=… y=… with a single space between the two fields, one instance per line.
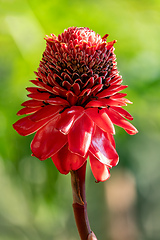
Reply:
x=105 y=37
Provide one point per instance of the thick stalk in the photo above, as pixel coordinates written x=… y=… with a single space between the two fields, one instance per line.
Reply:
x=80 y=204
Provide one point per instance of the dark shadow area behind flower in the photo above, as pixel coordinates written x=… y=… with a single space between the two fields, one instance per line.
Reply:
x=35 y=200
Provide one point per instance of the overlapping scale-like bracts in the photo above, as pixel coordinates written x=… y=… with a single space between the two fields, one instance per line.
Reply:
x=75 y=103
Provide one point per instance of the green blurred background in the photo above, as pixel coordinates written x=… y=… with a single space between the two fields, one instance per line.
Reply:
x=35 y=200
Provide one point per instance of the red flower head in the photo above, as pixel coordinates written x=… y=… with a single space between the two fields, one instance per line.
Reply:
x=75 y=103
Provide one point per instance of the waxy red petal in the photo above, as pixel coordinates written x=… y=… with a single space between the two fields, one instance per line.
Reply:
x=71 y=98
x=105 y=37
x=32 y=103
x=67 y=77
x=94 y=103
x=116 y=80
x=110 y=91
x=68 y=118
x=102 y=148
x=111 y=139
x=26 y=127
x=42 y=85
x=123 y=112
x=66 y=85
x=89 y=83
x=110 y=44
x=118 y=120
x=60 y=91
x=79 y=138
x=65 y=161
x=119 y=95
x=48 y=141
x=101 y=119
x=45 y=112
x=27 y=110
x=104 y=102
x=120 y=100
x=85 y=93
x=39 y=96
x=34 y=89
x=114 y=102
x=100 y=171
x=96 y=89
x=130 y=132
x=76 y=88
x=58 y=101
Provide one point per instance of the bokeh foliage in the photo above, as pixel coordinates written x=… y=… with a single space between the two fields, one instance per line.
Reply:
x=35 y=200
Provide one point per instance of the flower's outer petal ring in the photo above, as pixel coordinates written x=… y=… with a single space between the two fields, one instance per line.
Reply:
x=101 y=119
x=58 y=101
x=28 y=110
x=102 y=148
x=79 y=138
x=118 y=120
x=130 y=132
x=39 y=96
x=68 y=118
x=100 y=171
x=34 y=89
x=111 y=91
x=65 y=161
x=45 y=112
x=105 y=102
x=25 y=126
x=95 y=103
x=115 y=102
x=111 y=139
x=48 y=141
x=123 y=112
x=32 y=103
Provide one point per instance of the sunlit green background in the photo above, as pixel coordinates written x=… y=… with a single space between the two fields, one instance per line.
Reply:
x=35 y=200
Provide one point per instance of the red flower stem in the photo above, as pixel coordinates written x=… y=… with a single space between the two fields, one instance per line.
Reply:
x=80 y=204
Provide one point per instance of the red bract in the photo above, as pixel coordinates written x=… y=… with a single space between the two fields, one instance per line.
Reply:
x=75 y=103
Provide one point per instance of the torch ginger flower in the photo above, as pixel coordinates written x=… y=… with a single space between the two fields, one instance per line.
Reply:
x=75 y=103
